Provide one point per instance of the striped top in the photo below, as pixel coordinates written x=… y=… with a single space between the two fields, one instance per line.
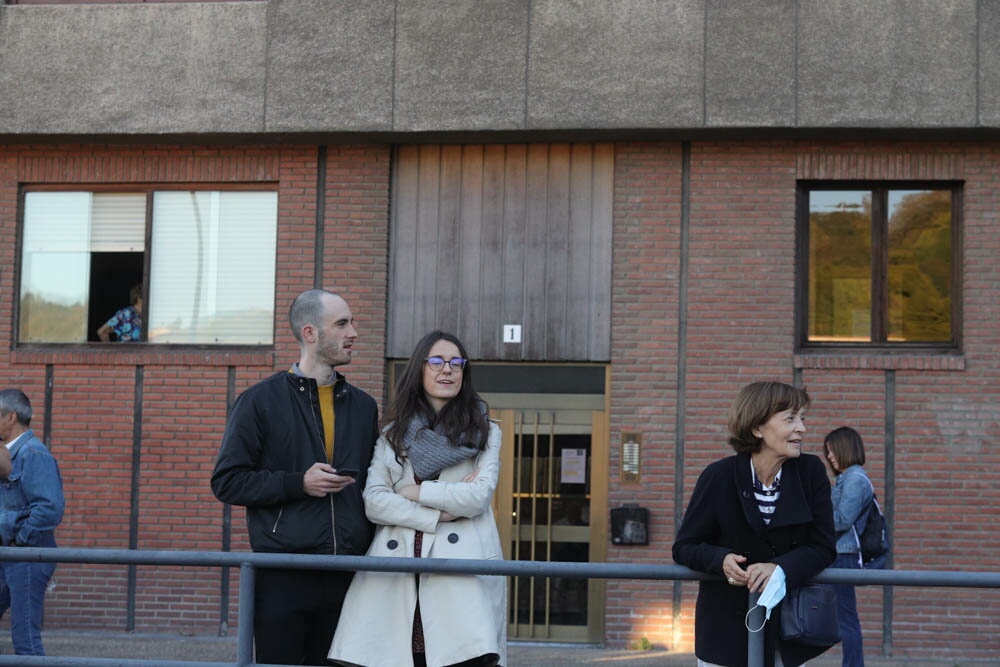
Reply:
x=767 y=496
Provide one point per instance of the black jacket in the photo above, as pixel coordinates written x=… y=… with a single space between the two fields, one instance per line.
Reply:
x=273 y=435
x=723 y=517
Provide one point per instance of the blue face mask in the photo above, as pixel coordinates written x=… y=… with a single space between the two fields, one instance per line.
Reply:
x=769 y=598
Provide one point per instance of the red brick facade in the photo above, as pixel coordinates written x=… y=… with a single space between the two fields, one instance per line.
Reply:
x=184 y=394
x=737 y=286
x=740 y=327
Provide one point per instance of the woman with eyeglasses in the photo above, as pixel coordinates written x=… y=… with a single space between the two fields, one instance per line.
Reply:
x=429 y=491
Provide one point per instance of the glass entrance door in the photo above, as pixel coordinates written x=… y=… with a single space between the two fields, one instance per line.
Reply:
x=551 y=507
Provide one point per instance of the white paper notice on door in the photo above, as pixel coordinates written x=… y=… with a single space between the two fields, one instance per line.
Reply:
x=574 y=466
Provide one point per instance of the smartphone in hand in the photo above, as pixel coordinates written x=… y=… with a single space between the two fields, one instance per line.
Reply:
x=349 y=472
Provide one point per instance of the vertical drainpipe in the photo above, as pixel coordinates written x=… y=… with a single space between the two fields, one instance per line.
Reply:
x=320 y=217
x=889 y=501
x=227 y=520
x=133 y=523
x=679 y=418
x=49 y=384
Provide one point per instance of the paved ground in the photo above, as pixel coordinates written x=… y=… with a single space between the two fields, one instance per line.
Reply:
x=211 y=649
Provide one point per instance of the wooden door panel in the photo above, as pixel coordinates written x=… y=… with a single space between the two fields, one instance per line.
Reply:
x=483 y=236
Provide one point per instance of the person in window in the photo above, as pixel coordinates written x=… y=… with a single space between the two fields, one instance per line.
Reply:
x=295 y=452
x=852 y=493
x=429 y=491
x=31 y=507
x=126 y=324
x=765 y=508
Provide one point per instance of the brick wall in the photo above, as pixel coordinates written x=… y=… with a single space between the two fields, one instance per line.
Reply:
x=184 y=394
x=739 y=292
x=739 y=328
x=644 y=362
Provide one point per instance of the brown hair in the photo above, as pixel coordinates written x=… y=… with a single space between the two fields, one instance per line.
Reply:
x=754 y=405
x=134 y=294
x=847 y=447
x=462 y=419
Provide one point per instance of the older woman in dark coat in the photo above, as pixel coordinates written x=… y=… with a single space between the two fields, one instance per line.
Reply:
x=767 y=506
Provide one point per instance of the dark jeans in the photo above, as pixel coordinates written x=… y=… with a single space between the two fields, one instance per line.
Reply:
x=847 y=610
x=22 y=590
x=296 y=614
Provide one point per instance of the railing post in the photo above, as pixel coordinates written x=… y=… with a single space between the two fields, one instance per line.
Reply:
x=244 y=645
x=755 y=640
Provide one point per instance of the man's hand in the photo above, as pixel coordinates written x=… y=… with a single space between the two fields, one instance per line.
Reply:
x=322 y=479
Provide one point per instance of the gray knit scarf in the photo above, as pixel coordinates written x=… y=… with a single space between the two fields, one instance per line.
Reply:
x=430 y=452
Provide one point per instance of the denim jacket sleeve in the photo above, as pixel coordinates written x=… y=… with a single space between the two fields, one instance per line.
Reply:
x=851 y=495
x=42 y=487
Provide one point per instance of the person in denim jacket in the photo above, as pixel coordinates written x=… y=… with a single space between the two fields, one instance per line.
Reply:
x=844 y=451
x=31 y=506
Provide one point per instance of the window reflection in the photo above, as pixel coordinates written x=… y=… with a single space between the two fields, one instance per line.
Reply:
x=55 y=267
x=880 y=265
x=840 y=265
x=920 y=265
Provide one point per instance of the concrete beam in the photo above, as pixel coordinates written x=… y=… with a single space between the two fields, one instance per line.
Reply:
x=403 y=68
x=120 y=69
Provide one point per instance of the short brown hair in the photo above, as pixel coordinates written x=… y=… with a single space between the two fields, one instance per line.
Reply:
x=847 y=447
x=134 y=294
x=754 y=405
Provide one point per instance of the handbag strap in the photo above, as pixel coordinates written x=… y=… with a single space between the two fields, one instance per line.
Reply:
x=866 y=508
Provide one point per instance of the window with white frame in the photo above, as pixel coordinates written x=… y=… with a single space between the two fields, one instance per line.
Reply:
x=203 y=262
x=878 y=264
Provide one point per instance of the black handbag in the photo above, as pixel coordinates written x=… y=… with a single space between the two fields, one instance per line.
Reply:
x=809 y=616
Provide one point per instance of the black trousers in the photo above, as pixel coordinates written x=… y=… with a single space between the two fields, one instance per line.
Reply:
x=296 y=614
x=482 y=661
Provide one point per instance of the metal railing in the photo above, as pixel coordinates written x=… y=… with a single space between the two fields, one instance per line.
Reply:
x=247 y=562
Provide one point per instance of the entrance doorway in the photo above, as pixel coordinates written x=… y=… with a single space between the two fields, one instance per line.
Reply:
x=551 y=505
x=551 y=501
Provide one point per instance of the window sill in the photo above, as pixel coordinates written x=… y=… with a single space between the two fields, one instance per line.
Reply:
x=139 y=354
x=915 y=361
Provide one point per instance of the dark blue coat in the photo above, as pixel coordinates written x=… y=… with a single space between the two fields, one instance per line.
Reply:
x=723 y=518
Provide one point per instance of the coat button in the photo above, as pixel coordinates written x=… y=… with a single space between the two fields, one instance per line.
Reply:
x=392 y=544
x=453 y=538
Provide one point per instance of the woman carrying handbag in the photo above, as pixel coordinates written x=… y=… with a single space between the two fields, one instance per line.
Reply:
x=852 y=493
x=764 y=508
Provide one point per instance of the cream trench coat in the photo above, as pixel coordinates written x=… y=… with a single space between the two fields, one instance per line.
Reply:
x=464 y=616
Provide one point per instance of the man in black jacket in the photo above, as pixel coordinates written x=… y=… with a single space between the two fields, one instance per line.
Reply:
x=296 y=453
